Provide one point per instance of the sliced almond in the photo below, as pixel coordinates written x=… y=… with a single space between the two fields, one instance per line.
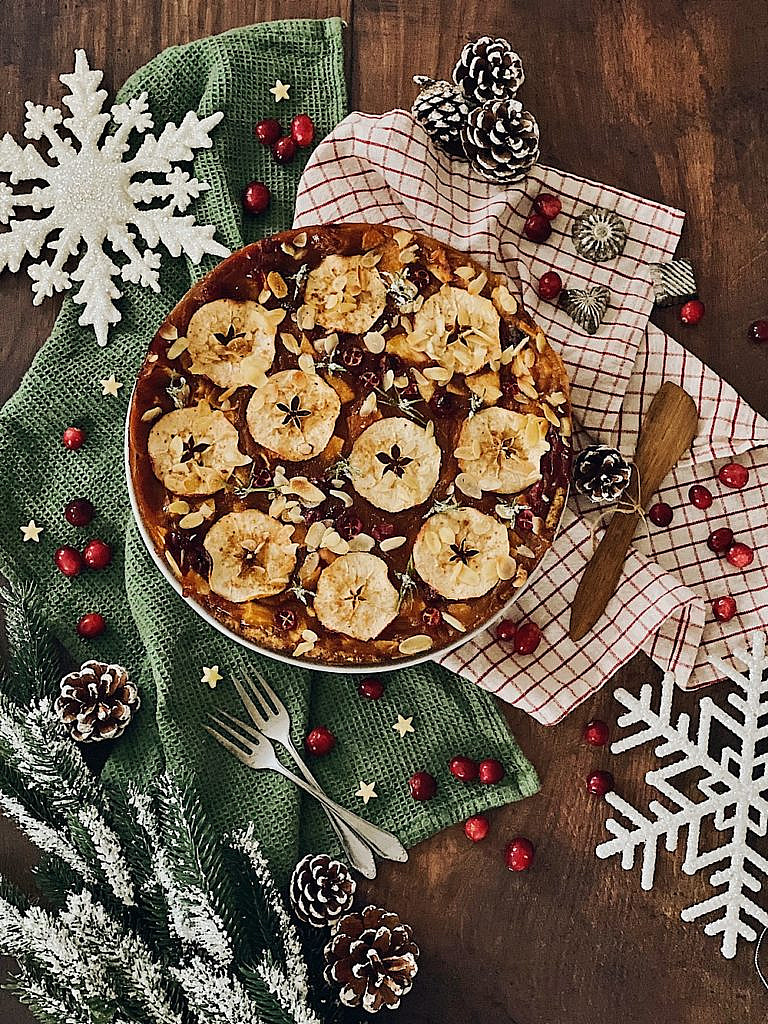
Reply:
x=362 y=542
x=191 y=520
x=302 y=648
x=541 y=342
x=402 y=238
x=551 y=416
x=169 y=332
x=305 y=490
x=476 y=286
x=391 y=543
x=369 y=406
x=309 y=635
x=506 y=567
x=528 y=389
x=289 y=343
x=175 y=350
x=277 y=506
x=305 y=317
x=370 y=259
x=525 y=551
x=438 y=373
x=151 y=414
x=300 y=240
x=556 y=398
x=277 y=285
x=264 y=295
x=467 y=485
x=342 y=496
x=173 y=564
x=565 y=427
x=388 y=380
x=504 y=301
x=465 y=273
x=521 y=577
x=307 y=363
x=415 y=644
x=374 y=341
x=315 y=535
x=178 y=507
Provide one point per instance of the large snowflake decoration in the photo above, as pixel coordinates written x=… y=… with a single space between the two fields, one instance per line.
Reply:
x=93 y=199
x=734 y=794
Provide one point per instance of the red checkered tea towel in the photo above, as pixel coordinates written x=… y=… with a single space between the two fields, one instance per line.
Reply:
x=384 y=169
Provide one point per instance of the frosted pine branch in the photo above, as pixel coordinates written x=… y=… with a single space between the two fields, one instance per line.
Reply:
x=215 y=997
x=46 y=838
x=108 y=851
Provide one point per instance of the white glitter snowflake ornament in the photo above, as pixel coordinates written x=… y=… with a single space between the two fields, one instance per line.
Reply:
x=93 y=200
x=733 y=786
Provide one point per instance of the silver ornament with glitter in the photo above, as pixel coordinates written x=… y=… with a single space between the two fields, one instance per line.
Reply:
x=586 y=306
x=601 y=473
x=442 y=110
x=599 y=235
x=672 y=282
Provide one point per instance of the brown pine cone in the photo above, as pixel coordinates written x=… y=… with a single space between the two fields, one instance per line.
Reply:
x=97 y=702
x=501 y=141
x=373 y=958
x=321 y=890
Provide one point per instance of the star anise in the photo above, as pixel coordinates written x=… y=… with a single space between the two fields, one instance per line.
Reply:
x=355 y=596
x=510 y=448
x=395 y=462
x=293 y=412
x=190 y=450
x=460 y=334
x=231 y=335
x=461 y=553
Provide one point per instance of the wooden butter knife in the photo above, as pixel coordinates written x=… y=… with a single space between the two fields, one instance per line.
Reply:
x=668 y=429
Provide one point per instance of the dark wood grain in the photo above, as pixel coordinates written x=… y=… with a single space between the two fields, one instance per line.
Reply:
x=667 y=98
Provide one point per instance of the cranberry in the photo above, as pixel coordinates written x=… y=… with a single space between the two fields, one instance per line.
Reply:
x=463 y=768
x=422 y=785
x=68 y=560
x=285 y=619
x=476 y=828
x=302 y=130
x=262 y=477
x=595 y=733
x=369 y=380
x=351 y=356
x=371 y=688
x=320 y=741
x=381 y=531
x=537 y=228
x=550 y=285
x=599 y=783
x=431 y=617
x=506 y=631
x=700 y=496
x=73 y=438
x=79 y=512
x=740 y=555
x=256 y=197
x=284 y=150
x=758 y=331
x=97 y=554
x=733 y=475
x=691 y=312
x=442 y=403
x=524 y=520
x=724 y=608
x=660 y=514
x=538 y=499
x=720 y=540
x=91 y=625
x=491 y=771
x=348 y=525
x=547 y=205
x=268 y=131
x=519 y=854
x=528 y=638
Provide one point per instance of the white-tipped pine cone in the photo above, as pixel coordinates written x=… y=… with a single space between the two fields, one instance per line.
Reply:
x=442 y=110
x=321 y=890
x=501 y=140
x=488 y=69
x=97 y=702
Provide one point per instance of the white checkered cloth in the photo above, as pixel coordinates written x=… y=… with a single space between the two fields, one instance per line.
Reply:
x=384 y=169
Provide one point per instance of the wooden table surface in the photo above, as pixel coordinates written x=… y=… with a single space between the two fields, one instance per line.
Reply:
x=661 y=97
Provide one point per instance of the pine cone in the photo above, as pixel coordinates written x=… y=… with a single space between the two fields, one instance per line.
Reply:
x=97 y=702
x=373 y=958
x=501 y=141
x=488 y=69
x=321 y=890
x=601 y=473
x=441 y=109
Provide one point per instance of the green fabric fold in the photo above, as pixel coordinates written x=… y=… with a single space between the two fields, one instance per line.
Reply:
x=150 y=629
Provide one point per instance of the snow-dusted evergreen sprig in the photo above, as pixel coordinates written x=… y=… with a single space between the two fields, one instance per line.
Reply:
x=109 y=854
x=45 y=837
x=215 y=995
x=34 y=658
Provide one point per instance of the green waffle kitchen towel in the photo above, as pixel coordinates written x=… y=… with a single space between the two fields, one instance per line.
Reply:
x=150 y=629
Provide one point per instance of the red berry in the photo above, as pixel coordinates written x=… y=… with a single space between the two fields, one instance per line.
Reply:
x=303 y=130
x=547 y=205
x=537 y=228
x=506 y=631
x=660 y=514
x=97 y=554
x=431 y=617
x=758 y=331
x=268 y=131
x=256 y=197
x=733 y=475
x=348 y=525
x=692 y=312
x=476 y=828
x=79 y=512
x=700 y=496
x=284 y=150
x=285 y=618
x=740 y=555
x=91 y=625
x=442 y=403
x=422 y=786
x=550 y=285
x=490 y=771
x=528 y=638
x=463 y=768
x=382 y=530
x=519 y=853
x=320 y=741
x=68 y=560
x=371 y=688
x=73 y=438
x=599 y=783
x=596 y=733
x=720 y=540
x=351 y=356
x=724 y=608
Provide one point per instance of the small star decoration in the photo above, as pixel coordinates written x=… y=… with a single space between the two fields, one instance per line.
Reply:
x=211 y=676
x=366 y=791
x=110 y=386
x=280 y=91
x=31 y=531
x=403 y=725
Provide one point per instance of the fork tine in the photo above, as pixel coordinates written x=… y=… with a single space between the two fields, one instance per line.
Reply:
x=257 y=716
x=249 y=730
x=233 y=732
x=277 y=703
x=239 y=754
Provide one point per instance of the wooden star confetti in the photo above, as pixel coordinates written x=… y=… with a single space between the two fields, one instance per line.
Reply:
x=110 y=386
x=280 y=91
x=211 y=676
x=366 y=791
x=31 y=531
x=403 y=725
